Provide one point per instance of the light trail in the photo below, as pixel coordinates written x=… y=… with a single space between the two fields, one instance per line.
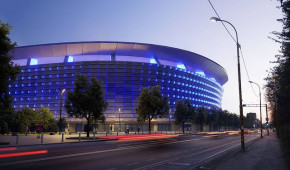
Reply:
x=8 y=149
x=9 y=155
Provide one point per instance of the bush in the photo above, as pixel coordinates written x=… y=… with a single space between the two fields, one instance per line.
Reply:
x=4 y=128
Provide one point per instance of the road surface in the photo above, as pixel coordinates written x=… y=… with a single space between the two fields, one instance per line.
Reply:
x=182 y=152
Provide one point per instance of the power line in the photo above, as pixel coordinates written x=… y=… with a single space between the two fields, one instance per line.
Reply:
x=247 y=72
x=221 y=22
x=235 y=42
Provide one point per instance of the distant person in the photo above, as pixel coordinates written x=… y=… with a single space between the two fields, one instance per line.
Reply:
x=127 y=130
x=26 y=130
x=138 y=129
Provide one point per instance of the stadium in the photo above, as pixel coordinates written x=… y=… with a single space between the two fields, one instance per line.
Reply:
x=124 y=68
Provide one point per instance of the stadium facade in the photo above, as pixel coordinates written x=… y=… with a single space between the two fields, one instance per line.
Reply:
x=124 y=68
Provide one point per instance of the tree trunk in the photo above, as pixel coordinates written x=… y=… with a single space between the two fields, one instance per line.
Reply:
x=183 y=127
x=149 y=126
x=88 y=128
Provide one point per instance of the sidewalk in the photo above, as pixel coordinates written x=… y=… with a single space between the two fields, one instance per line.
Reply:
x=54 y=139
x=264 y=154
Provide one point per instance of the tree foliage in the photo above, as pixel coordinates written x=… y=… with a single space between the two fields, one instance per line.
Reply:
x=86 y=101
x=278 y=81
x=8 y=72
x=184 y=112
x=31 y=118
x=151 y=105
x=216 y=119
x=63 y=124
x=201 y=115
x=45 y=118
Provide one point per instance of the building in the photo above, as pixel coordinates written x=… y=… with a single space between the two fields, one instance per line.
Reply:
x=251 y=121
x=124 y=69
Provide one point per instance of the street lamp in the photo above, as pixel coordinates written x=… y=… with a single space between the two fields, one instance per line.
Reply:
x=169 y=119
x=260 y=106
x=214 y=19
x=119 y=120
x=60 y=110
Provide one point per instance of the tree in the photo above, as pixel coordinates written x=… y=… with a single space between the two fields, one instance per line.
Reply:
x=46 y=118
x=4 y=128
x=226 y=118
x=278 y=80
x=214 y=118
x=183 y=112
x=86 y=101
x=63 y=125
x=25 y=117
x=151 y=105
x=8 y=72
x=201 y=117
x=209 y=120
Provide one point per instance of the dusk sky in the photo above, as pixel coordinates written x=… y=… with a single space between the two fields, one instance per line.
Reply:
x=181 y=24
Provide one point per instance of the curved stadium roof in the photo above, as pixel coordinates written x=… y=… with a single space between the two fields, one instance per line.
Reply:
x=192 y=61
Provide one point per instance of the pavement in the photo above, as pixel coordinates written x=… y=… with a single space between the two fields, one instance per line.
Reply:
x=264 y=154
x=34 y=139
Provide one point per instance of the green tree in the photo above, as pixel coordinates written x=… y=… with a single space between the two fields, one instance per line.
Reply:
x=25 y=117
x=214 y=118
x=201 y=117
x=209 y=120
x=64 y=124
x=183 y=112
x=8 y=72
x=87 y=100
x=278 y=80
x=46 y=118
x=53 y=127
x=151 y=105
x=4 y=128
x=226 y=118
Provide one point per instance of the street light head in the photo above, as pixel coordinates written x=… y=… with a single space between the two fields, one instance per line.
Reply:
x=250 y=82
x=63 y=90
x=215 y=19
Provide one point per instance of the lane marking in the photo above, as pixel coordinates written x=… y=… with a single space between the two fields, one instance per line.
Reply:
x=215 y=154
x=134 y=163
x=90 y=153
x=175 y=159
x=176 y=163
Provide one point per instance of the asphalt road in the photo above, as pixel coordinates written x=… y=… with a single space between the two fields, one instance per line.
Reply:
x=183 y=152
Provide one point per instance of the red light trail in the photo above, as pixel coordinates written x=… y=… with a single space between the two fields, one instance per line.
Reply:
x=9 y=155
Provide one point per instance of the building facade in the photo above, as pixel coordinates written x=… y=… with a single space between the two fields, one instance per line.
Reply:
x=124 y=68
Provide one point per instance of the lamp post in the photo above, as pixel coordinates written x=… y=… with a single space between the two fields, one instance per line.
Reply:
x=119 y=120
x=240 y=86
x=260 y=107
x=169 y=119
x=60 y=110
x=267 y=120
